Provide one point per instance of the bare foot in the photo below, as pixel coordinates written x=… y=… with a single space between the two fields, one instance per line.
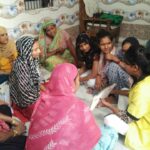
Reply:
x=104 y=103
x=111 y=100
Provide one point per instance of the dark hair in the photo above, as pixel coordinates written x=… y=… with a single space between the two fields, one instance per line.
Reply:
x=137 y=57
x=147 y=49
x=86 y=57
x=103 y=33
x=82 y=38
x=132 y=40
x=44 y=29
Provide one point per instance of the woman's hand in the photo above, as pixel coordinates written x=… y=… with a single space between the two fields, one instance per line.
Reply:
x=55 y=52
x=105 y=103
x=60 y=51
x=15 y=121
x=99 y=82
x=42 y=87
x=19 y=128
x=111 y=57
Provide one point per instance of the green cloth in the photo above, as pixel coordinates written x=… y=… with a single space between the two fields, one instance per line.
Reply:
x=116 y=19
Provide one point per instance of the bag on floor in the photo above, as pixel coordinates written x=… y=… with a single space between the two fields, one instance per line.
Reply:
x=5 y=93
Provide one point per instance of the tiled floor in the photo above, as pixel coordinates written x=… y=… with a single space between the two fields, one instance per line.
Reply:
x=99 y=114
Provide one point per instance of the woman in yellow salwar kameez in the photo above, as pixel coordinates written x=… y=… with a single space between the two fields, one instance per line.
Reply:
x=8 y=54
x=56 y=46
x=137 y=115
x=138 y=134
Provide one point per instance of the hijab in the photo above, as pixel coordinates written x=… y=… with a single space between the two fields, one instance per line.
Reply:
x=24 y=79
x=61 y=120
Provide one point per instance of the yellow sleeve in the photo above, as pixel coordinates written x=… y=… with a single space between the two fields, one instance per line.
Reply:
x=138 y=100
x=14 y=50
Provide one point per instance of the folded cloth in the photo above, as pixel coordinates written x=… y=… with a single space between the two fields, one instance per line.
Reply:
x=91 y=7
x=116 y=19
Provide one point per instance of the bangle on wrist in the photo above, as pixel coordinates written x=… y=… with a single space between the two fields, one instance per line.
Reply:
x=15 y=132
x=13 y=122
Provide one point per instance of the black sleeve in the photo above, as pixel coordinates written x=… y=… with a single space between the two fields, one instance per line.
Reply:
x=132 y=117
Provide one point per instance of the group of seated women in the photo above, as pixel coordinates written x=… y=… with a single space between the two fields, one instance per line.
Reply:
x=106 y=63
x=54 y=46
x=128 y=68
x=60 y=120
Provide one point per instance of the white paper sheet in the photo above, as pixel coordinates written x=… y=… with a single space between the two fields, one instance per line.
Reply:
x=101 y=95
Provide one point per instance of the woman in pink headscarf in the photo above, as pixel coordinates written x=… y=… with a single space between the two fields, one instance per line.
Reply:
x=60 y=120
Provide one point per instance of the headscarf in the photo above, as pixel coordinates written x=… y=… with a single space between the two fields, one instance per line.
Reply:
x=60 y=119
x=24 y=79
x=133 y=41
x=7 y=51
x=42 y=38
x=89 y=56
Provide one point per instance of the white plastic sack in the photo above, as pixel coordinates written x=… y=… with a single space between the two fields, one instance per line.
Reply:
x=115 y=122
x=5 y=93
x=44 y=75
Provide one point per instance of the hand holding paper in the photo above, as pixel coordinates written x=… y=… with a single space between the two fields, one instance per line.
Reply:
x=101 y=95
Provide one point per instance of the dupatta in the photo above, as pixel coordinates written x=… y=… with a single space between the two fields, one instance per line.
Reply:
x=8 y=53
x=55 y=43
x=61 y=121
